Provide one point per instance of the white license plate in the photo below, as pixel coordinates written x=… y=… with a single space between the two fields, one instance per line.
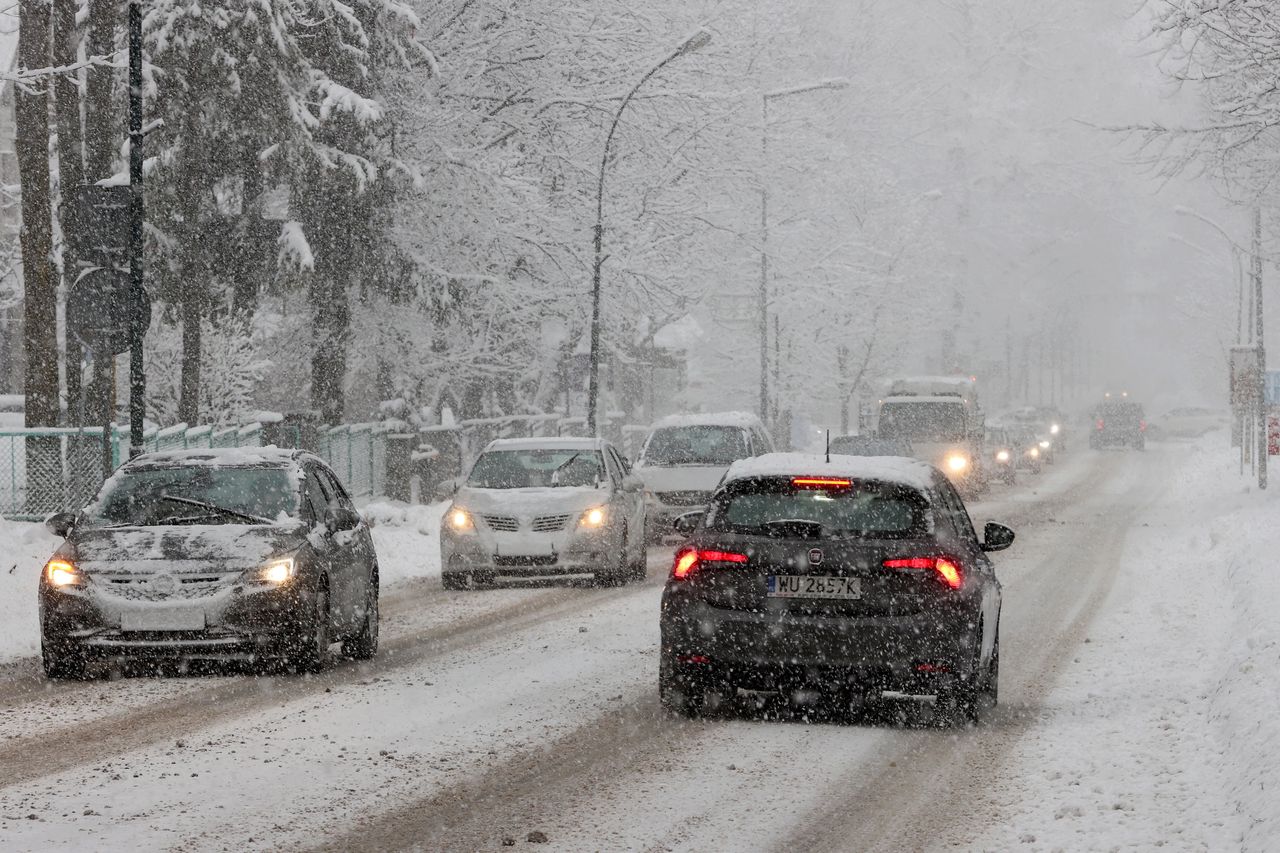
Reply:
x=813 y=586
x=163 y=619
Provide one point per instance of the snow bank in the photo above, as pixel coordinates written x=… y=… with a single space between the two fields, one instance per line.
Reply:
x=26 y=547
x=407 y=538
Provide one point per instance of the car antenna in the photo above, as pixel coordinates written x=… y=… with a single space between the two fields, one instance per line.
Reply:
x=828 y=447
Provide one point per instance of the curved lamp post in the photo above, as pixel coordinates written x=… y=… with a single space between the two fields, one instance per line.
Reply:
x=696 y=41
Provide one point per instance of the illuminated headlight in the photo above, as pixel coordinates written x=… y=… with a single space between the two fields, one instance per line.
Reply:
x=460 y=520
x=593 y=517
x=62 y=573
x=277 y=572
x=1034 y=453
x=1044 y=445
x=957 y=463
x=1002 y=456
x=1053 y=429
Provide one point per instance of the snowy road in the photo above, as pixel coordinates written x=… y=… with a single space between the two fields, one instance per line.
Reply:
x=489 y=715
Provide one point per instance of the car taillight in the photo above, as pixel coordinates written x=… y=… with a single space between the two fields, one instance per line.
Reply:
x=1101 y=424
x=690 y=560
x=947 y=569
x=821 y=482
x=1142 y=426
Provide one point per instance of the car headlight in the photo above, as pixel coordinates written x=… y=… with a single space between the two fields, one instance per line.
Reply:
x=1053 y=429
x=593 y=517
x=62 y=573
x=1044 y=445
x=957 y=462
x=1034 y=453
x=1002 y=456
x=459 y=520
x=278 y=571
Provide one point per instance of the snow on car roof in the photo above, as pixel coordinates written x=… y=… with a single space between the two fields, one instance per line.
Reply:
x=552 y=443
x=215 y=456
x=924 y=398
x=738 y=419
x=886 y=469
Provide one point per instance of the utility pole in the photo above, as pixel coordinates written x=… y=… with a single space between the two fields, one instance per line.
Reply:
x=1263 y=443
x=137 y=293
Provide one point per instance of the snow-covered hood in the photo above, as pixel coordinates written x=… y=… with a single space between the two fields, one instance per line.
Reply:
x=177 y=549
x=688 y=478
x=527 y=503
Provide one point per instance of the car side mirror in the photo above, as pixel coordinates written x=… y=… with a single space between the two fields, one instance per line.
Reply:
x=632 y=483
x=447 y=488
x=60 y=523
x=338 y=519
x=996 y=537
x=688 y=522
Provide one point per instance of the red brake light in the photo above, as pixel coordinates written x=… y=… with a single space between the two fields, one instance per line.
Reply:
x=821 y=482
x=689 y=560
x=948 y=570
x=1100 y=423
x=1142 y=426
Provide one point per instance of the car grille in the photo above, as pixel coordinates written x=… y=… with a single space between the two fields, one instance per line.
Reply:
x=688 y=498
x=550 y=523
x=149 y=588
x=503 y=523
x=539 y=560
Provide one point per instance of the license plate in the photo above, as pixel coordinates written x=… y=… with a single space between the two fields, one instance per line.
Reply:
x=163 y=619
x=813 y=586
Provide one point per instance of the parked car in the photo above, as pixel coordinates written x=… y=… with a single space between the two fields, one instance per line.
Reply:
x=1118 y=422
x=684 y=457
x=544 y=507
x=870 y=445
x=853 y=577
x=251 y=554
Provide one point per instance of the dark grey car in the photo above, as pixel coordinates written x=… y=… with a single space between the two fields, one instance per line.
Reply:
x=852 y=577
x=244 y=554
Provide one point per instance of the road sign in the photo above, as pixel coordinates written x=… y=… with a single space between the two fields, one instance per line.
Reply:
x=1246 y=374
x=103 y=311
x=98 y=230
x=1271 y=388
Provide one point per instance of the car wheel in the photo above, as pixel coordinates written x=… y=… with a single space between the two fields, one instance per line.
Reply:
x=620 y=573
x=959 y=702
x=311 y=653
x=364 y=645
x=677 y=695
x=62 y=664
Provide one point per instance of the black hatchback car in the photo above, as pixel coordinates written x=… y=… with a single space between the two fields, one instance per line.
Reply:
x=853 y=577
x=1118 y=423
x=241 y=554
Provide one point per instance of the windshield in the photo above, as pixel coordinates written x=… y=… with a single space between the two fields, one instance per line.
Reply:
x=871 y=510
x=923 y=421
x=194 y=495
x=703 y=444
x=536 y=468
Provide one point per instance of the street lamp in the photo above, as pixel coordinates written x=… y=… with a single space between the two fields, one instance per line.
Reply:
x=1236 y=252
x=763 y=297
x=698 y=40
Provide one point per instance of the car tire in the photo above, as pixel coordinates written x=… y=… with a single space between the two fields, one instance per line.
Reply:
x=680 y=699
x=959 y=703
x=619 y=574
x=311 y=649
x=364 y=645
x=61 y=664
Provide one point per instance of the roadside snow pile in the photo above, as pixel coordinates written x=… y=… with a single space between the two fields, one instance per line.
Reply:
x=25 y=548
x=407 y=537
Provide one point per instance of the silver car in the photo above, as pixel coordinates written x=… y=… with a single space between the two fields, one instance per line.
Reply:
x=542 y=507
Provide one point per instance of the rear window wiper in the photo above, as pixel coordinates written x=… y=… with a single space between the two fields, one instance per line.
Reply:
x=215 y=508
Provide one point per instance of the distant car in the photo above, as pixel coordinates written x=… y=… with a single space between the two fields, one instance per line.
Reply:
x=869 y=445
x=853 y=577
x=1118 y=423
x=1027 y=447
x=684 y=457
x=1189 y=422
x=251 y=554
x=1045 y=424
x=944 y=430
x=1054 y=425
x=545 y=507
x=1004 y=452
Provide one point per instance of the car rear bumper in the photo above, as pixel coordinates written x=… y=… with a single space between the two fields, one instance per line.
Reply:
x=764 y=650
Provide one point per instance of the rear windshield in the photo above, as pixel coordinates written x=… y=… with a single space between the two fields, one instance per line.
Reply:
x=200 y=494
x=1120 y=411
x=923 y=422
x=696 y=445
x=867 y=509
x=536 y=468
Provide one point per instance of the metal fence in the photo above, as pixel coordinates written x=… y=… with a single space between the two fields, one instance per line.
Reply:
x=43 y=471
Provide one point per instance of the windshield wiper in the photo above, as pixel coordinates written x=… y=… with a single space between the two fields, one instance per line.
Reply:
x=555 y=475
x=235 y=513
